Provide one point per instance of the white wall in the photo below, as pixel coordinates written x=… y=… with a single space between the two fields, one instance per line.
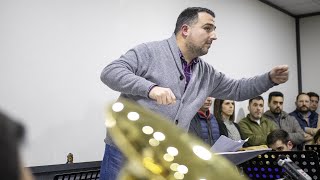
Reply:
x=252 y=38
x=52 y=53
x=310 y=53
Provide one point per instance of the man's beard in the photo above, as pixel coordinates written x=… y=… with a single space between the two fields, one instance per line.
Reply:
x=276 y=111
x=303 y=111
x=195 y=50
x=256 y=116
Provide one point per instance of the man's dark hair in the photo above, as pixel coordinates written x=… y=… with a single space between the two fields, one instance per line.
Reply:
x=302 y=93
x=313 y=94
x=256 y=98
x=278 y=134
x=11 y=134
x=190 y=16
x=274 y=94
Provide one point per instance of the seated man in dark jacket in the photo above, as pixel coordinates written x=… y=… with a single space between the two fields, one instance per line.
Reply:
x=308 y=120
x=204 y=124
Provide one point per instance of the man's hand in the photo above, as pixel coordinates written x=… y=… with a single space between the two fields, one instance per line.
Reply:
x=307 y=137
x=162 y=95
x=279 y=74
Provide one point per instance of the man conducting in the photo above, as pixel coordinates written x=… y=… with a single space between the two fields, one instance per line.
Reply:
x=170 y=78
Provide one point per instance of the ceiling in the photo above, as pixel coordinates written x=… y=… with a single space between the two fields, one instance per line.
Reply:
x=296 y=8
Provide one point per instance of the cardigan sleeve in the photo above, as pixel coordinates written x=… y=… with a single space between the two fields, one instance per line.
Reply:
x=126 y=73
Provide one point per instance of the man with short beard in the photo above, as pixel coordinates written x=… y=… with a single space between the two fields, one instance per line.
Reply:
x=308 y=120
x=254 y=126
x=170 y=78
x=282 y=119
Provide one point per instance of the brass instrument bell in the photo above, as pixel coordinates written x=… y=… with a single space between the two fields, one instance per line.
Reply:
x=158 y=150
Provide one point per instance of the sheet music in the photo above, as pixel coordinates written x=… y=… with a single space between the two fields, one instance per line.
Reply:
x=225 y=144
x=243 y=156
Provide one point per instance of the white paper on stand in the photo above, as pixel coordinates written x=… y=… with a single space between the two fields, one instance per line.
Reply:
x=243 y=156
x=225 y=144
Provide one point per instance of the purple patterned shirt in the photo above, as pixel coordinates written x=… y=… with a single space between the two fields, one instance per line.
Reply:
x=187 y=68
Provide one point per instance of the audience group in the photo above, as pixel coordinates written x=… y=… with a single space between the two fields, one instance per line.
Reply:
x=274 y=127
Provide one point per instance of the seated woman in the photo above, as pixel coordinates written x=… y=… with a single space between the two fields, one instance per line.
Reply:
x=204 y=124
x=224 y=113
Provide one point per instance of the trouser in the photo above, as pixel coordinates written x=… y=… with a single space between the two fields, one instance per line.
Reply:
x=112 y=163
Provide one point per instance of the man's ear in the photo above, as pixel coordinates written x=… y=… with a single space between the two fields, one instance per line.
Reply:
x=185 y=30
x=290 y=145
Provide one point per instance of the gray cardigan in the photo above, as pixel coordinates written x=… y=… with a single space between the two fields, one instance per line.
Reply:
x=159 y=63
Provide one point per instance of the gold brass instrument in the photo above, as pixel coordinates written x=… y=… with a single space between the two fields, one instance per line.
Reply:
x=158 y=150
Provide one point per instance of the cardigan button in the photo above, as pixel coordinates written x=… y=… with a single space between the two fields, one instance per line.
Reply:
x=181 y=77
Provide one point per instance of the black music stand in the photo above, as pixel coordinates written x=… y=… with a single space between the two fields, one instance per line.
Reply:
x=315 y=148
x=265 y=166
x=81 y=175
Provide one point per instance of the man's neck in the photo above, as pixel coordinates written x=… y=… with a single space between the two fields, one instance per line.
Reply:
x=305 y=114
x=253 y=119
x=276 y=115
x=204 y=110
x=184 y=50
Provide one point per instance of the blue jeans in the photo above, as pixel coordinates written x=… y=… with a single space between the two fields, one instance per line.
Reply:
x=111 y=164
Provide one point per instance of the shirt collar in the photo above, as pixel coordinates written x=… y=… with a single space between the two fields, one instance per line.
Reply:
x=205 y=115
x=194 y=61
